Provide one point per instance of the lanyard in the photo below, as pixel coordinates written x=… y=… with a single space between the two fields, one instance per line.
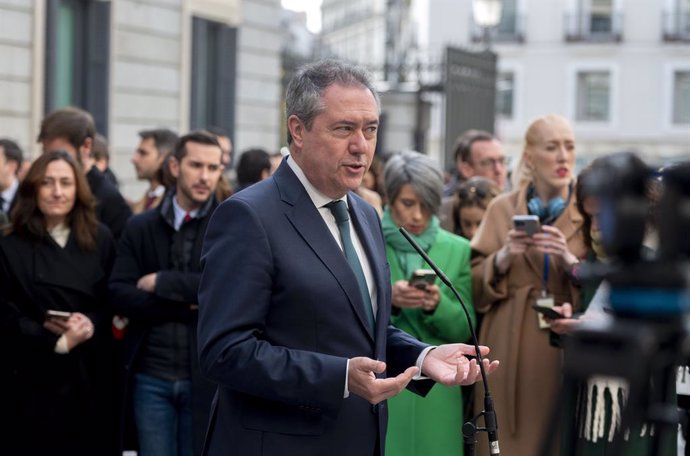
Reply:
x=546 y=274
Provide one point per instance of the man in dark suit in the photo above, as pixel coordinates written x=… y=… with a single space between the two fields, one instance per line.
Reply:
x=11 y=158
x=296 y=332
x=73 y=130
x=154 y=284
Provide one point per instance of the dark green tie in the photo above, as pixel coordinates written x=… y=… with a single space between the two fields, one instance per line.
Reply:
x=3 y=215
x=339 y=210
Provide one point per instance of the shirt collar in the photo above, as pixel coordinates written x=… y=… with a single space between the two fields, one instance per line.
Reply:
x=60 y=234
x=156 y=192
x=180 y=213
x=318 y=198
x=8 y=194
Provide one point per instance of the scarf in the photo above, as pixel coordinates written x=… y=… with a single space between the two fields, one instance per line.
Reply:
x=408 y=258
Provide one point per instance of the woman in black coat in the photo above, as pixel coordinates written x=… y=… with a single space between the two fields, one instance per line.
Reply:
x=57 y=383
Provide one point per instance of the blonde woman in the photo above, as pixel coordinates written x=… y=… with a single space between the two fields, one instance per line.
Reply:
x=513 y=270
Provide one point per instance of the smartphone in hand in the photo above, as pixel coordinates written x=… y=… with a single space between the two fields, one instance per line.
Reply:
x=548 y=312
x=57 y=315
x=527 y=223
x=421 y=278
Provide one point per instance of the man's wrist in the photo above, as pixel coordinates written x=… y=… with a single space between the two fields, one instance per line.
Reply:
x=61 y=346
x=420 y=362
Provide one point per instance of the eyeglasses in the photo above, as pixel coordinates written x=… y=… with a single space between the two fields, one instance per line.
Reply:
x=492 y=162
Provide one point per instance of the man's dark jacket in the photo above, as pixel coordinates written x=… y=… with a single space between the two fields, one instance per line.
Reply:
x=145 y=247
x=111 y=208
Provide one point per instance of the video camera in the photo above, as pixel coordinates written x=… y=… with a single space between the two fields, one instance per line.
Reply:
x=647 y=336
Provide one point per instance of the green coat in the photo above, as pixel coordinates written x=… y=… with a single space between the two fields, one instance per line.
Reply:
x=432 y=425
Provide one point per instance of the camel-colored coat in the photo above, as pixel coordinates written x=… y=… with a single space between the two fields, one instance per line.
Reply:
x=526 y=384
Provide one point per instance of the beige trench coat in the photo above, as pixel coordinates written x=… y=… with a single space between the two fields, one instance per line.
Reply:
x=525 y=386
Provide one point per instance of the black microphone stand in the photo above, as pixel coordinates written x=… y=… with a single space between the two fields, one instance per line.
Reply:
x=470 y=428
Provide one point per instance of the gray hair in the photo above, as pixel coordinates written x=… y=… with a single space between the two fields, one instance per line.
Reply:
x=303 y=97
x=418 y=170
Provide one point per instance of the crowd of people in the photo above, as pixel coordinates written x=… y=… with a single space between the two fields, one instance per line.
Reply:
x=283 y=286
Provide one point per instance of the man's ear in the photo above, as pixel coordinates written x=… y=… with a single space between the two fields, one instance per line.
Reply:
x=13 y=166
x=296 y=128
x=466 y=170
x=86 y=148
x=174 y=167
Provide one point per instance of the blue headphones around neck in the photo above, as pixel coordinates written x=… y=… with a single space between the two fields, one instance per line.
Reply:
x=547 y=212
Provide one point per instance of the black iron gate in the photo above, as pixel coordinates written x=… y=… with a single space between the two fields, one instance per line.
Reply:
x=470 y=88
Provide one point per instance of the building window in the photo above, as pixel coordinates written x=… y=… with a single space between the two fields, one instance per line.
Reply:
x=510 y=29
x=593 y=96
x=594 y=20
x=77 y=57
x=601 y=20
x=214 y=55
x=505 y=95
x=681 y=97
x=677 y=21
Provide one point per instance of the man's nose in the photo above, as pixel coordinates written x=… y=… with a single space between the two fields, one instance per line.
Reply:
x=358 y=143
x=204 y=174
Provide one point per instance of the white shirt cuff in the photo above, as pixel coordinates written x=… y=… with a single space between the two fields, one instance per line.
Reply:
x=420 y=361
x=61 y=345
x=347 y=369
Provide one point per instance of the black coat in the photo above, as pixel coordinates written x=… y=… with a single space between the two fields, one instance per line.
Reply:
x=111 y=208
x=145 y=248
x=52 y=403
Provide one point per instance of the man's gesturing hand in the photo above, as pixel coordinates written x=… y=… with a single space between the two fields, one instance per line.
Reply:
x=362 y=381
x=448 y=365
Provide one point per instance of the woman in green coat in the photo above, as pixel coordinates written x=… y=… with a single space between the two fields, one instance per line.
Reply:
x=430 y=312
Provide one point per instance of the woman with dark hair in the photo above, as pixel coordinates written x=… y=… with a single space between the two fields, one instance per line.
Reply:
x=424 y=309
x=591 y=419
x=468 y=205
x=54 y=322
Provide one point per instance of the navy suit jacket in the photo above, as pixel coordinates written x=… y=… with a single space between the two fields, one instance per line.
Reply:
x=279 y=316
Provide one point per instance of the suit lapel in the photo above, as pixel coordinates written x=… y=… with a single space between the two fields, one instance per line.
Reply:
x=305 y=217
x=366 y=235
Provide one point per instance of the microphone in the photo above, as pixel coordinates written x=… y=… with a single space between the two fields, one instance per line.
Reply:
x=490 y=422
x=3 y=219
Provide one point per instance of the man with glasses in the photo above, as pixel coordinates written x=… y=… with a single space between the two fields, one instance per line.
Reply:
x=478 y=153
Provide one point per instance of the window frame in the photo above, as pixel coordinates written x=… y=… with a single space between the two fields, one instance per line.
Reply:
x=573 y=94
x=221 y=84
x=668 y=107
x=90 y=89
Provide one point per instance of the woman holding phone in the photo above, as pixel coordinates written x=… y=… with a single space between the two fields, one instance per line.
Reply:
x=54 y=323
x=421 y=306
x=513 y=270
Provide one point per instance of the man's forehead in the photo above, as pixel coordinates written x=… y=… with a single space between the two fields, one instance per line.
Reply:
x=334 y=93
x=202 y=152
x=487 y=147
